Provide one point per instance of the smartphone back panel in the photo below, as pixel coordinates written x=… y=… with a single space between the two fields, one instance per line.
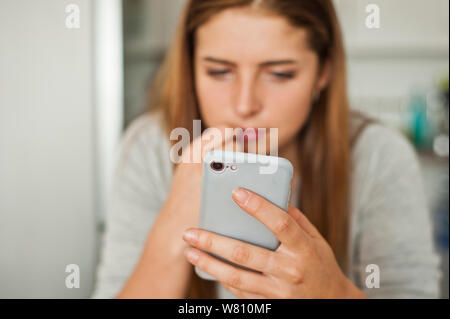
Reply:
x=220 y=214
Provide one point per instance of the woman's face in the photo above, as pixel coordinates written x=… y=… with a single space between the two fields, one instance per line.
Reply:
x=254 y=70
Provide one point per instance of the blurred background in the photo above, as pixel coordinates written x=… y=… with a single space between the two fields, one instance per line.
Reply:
x=68 y=91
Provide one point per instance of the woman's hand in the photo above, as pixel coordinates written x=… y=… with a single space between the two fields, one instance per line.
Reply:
x=162 y=271
x=303 y=266
x=183 y=202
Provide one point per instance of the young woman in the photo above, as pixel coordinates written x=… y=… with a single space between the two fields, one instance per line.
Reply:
x=358 y=191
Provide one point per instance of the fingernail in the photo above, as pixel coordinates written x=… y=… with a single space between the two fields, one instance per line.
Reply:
x=191 y=255
x=241 y=195
x=190 y=236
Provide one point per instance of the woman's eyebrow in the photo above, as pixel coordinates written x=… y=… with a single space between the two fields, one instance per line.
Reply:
x=277 y=62
x=210 y=59
x=266 y=63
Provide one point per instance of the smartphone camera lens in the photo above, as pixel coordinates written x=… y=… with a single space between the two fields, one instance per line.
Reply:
x=217 y=166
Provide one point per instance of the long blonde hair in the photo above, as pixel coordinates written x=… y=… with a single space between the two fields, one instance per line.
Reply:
x=324 y=140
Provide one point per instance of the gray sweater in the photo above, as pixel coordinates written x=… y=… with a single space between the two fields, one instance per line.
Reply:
x=390 y=220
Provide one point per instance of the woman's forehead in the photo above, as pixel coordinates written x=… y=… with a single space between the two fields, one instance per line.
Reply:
x=239 y=32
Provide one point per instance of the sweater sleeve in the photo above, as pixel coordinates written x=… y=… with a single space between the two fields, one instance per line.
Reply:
x=137 y=194
x=393 y=223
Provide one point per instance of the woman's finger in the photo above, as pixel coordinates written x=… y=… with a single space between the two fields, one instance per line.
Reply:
x=304 y=223
x=214 y=138
x=284 y=227
x=242 y=294
x=238 y=252
x=230 y=275
x=232 y=140
x=211 y=139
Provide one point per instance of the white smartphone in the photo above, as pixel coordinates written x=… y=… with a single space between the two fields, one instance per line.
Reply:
x=223 y=171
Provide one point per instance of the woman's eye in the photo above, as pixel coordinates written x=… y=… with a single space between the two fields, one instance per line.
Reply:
x=218 y=73
x=284 y=75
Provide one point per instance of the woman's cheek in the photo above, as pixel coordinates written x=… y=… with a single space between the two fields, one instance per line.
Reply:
x=213 y=100
x=289 y=108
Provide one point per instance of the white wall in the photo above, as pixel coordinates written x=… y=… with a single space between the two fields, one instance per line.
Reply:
x=47 y=149
x=406 y=54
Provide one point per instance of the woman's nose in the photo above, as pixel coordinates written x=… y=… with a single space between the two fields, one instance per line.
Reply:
x=247 y=103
